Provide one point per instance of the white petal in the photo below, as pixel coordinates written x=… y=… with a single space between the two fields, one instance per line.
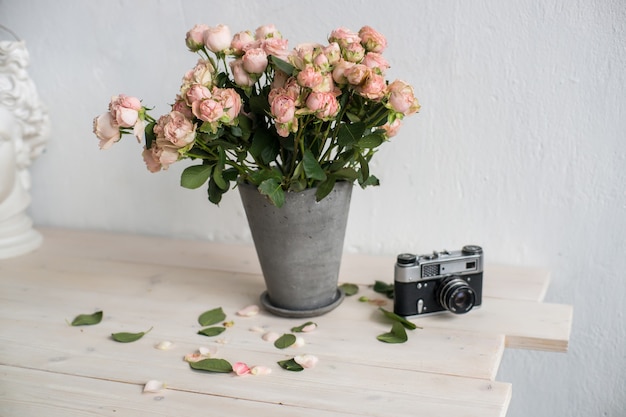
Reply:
x=260 y=370
x=306 y=361
x=270 y=337
x=207 y=351
x=164 y=345
x=299 y=342
x=249 y=311
x=257 y=329
x=153 y=386
x=309 y=327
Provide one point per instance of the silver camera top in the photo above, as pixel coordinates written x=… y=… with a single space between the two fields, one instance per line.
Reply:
x=412 y=268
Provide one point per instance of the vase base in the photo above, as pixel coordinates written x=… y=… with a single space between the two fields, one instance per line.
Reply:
x=282 y=312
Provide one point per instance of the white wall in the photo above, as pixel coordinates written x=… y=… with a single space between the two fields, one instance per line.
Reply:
x=520 y=147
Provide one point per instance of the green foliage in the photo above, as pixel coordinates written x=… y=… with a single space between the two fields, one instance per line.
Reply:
x=212 y=365
x=210 y=317
x=124 y=337
x=87 y=319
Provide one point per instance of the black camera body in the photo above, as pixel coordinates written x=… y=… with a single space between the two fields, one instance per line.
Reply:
x=441 y=281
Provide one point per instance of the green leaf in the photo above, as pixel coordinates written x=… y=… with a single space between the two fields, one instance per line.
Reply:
x=284 y=66
x=265 y=147
x=149 y=134
x=298 y=329
x=370 y=141
x=272 y=188
x=194 y=176
x=285 y=341
x=124 y=337
x=384 y=288
x=348 y=174
x=211 y=317
x=290 y=365
x=212 y=331
x=325 y=187
x=349 y=289
x=312 y=168
x=396 y=335
x=349 y=134
x=393 y=316
x=371 y=180
x=212 y=365
x=215 y=192
x=87 y=319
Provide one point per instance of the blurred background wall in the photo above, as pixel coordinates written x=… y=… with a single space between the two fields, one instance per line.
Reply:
x=520 y=147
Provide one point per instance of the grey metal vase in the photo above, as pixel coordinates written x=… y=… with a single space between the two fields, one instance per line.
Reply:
x=299 y=247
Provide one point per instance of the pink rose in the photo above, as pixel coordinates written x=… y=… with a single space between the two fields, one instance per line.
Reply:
x=151 y=160
x=374 y=87
x=344 y=37
x=391 y=129
x=105 y=130
x=203 y=73
x=195 y=37
x=276 y=47
x=241 y=42
x=310 y=77
x=255 y=61
x=197 y=92
x=324 y=105
x=176 y=128
x=267 y=31
x=376 y=61
x=208 y=110
x=332 y=53
x=230 y=102
x=218 y=38
x=125 y=110
x=302 y=55
x=283 y=108
x=340 y=70
x=241 y=76
x=372 y=40
x=353 y=52
x=181 y=106
x=402 y=99
x=357 y=74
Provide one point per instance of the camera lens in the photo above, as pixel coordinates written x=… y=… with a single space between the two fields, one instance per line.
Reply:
x=456 y=296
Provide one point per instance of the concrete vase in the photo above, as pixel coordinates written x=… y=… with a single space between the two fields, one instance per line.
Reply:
x=299 y=247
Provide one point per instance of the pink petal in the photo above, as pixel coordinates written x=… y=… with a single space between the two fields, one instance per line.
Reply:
x=309 y=327
x=270 y=337
x=240 y=368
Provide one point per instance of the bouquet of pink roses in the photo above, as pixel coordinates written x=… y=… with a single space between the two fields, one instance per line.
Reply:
x=253 y=111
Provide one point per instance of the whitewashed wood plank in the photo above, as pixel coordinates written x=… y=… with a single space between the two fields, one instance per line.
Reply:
x=500 y=280
x=33 y=393
x=172 y=306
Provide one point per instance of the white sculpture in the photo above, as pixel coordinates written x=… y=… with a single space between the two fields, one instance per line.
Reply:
x=24 y=129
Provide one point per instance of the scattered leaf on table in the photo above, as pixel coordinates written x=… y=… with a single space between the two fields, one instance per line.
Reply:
x=87 y=319
x=285 y=341
x=291 y=365
x=399 y=319
x=124 y=337
x=349 y=289
x=211 y=317
x=212 y=331
x=212 y=365
x=396 y=335
x=384 y=288
x=309 y=326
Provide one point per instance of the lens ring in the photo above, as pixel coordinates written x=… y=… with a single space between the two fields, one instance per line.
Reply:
x=456 y=296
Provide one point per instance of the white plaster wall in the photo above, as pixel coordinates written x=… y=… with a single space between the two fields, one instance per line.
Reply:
x=520 y=147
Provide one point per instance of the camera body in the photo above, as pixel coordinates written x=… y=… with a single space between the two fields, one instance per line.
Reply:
x=441 y=281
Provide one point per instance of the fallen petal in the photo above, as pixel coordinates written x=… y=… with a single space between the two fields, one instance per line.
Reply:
x=260 y=370
x=270 y=337
x=240 y=368
x=299 y=342
x=306 y=361
x=228 y=324
x=309 y=327
x=207 y=351
x=164 y=345
x=153 y=386
x=257 y=329
x=249 y=311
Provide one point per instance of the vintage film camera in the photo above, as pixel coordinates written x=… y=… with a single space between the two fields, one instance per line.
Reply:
x=442 y=281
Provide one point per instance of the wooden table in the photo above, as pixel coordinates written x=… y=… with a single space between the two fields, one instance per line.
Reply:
x=49 y=368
